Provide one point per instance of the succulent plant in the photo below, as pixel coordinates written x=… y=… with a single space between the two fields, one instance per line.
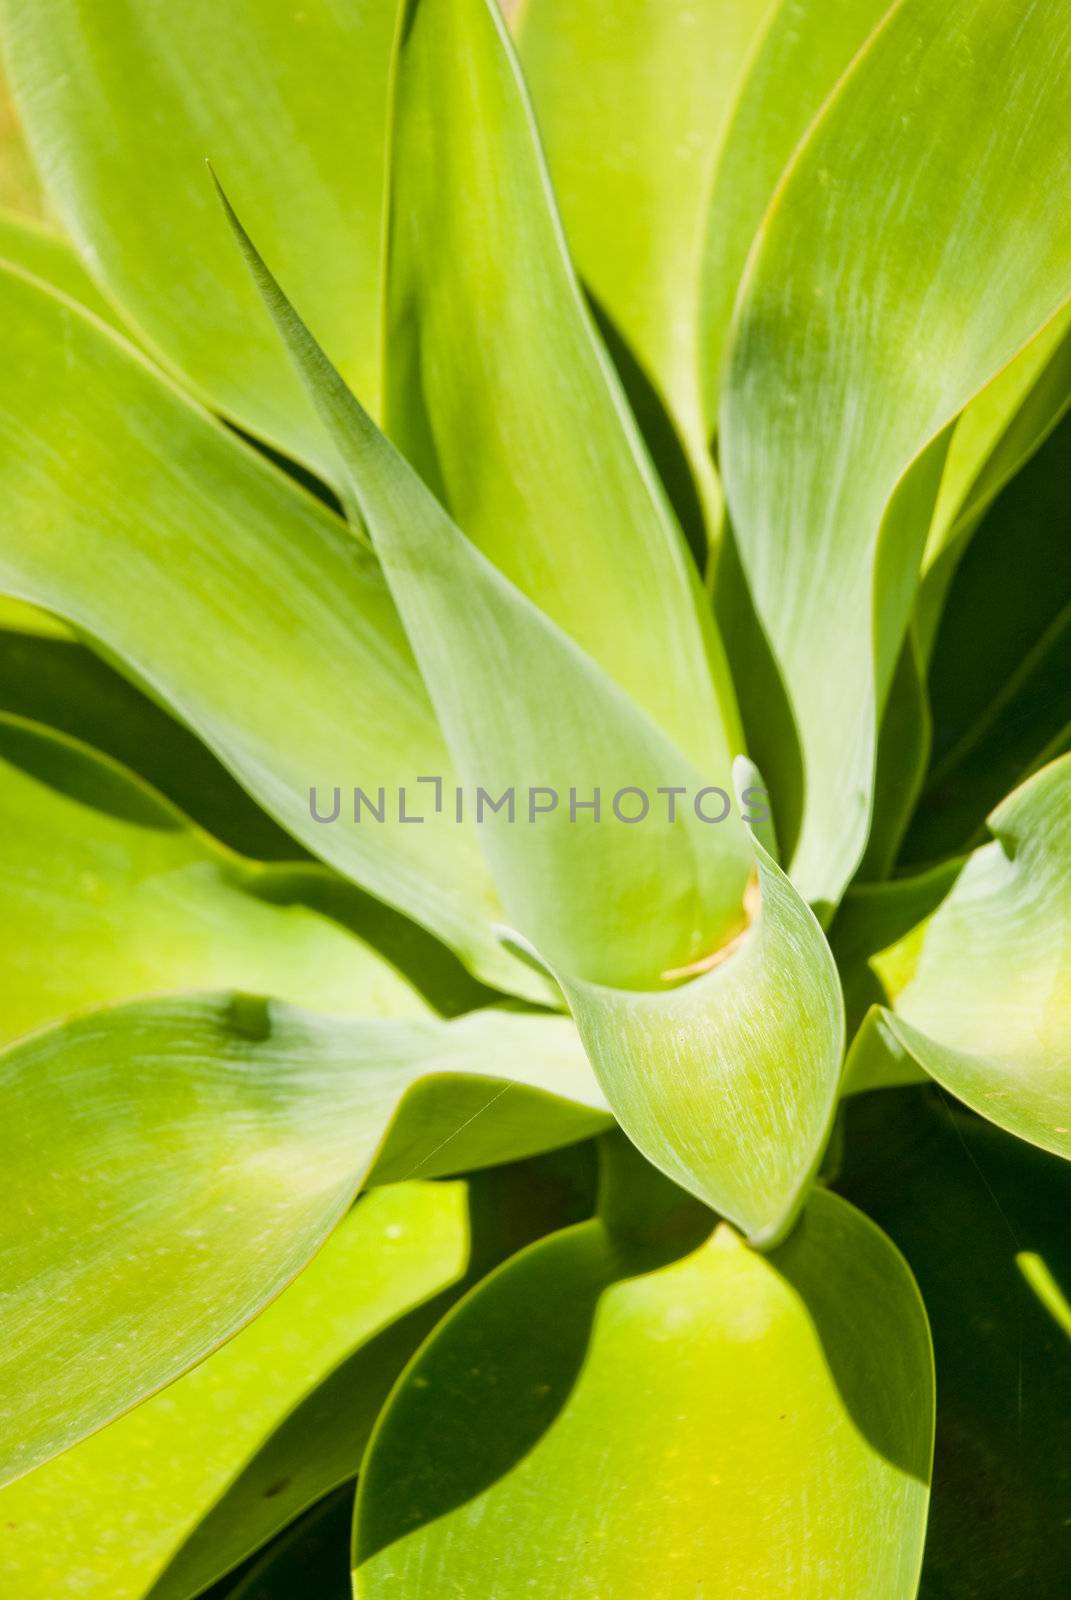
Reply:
x=535 y=804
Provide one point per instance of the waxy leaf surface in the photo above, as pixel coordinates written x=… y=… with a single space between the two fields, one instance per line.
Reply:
x=641 y=1414
x=123 y=103
x=500 y=394
x=938 y=164
x=172 y=1164
x=233 y=596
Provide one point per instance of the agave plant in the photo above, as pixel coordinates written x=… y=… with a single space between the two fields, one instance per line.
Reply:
x=535 y=825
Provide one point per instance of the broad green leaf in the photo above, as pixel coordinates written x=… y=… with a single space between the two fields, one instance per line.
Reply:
x=499 y=392
x=671 y=1414
x=110 y=893
x=1000 y=672
x=43 y=251
x=280 y=1415
x=804 y=47
x=234 y=597
x=982 y=1220
x=857 y=345
x=523 y=707
x=729 y=1083
x=633 y=99
x=122 y=103
x=172 y=1164
x=982 y=996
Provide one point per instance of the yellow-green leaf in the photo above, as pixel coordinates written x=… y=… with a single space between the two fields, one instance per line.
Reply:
x=234 y=597
x=122 y=104
x=669 y=1413
x=171 y=1165
x=912 y=251
x=500 y=393
x=633 y=99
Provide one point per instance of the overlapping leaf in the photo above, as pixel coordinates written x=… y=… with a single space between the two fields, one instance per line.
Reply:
x=634 y=98
x=803 y=48
x=983 y=988
x=235 y=598
x=44 y=251
x=122 y=103
x=172 y=1164
x=640 y=1410
x=500 y=394
x=853 y=354
x=160 y=906
x=280 y=1415
x=600 y=907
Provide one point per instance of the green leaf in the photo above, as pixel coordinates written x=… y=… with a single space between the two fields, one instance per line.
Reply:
x=1000 y=672
x=633 y=99
x=982 y=1220
x=281 y=1414
x=399 y=1247
x=501 y=395
x=857 y=345
x=123 y=103
x=234 y=597
x=683 y=1070
x=729 y=1083
x=111 y=893
x=658 y=1398
x=803 y=48
x=986 y=1005
x=200 y=1150
x=523 y=707
x=43 y=251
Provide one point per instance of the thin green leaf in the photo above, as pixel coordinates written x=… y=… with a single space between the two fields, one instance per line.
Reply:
x=855 y=350
x=500 y=394
x=121 y=105
x=225 y=591
x=199 y=1151
x=658 y=1399
x=633 y=99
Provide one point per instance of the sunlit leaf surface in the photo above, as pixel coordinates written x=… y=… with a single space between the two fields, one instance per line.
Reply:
x=499 y=392
x=638 y=1408
x=197 y=1152
x=123 y=102
x=854 y=352
x=238 y=599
